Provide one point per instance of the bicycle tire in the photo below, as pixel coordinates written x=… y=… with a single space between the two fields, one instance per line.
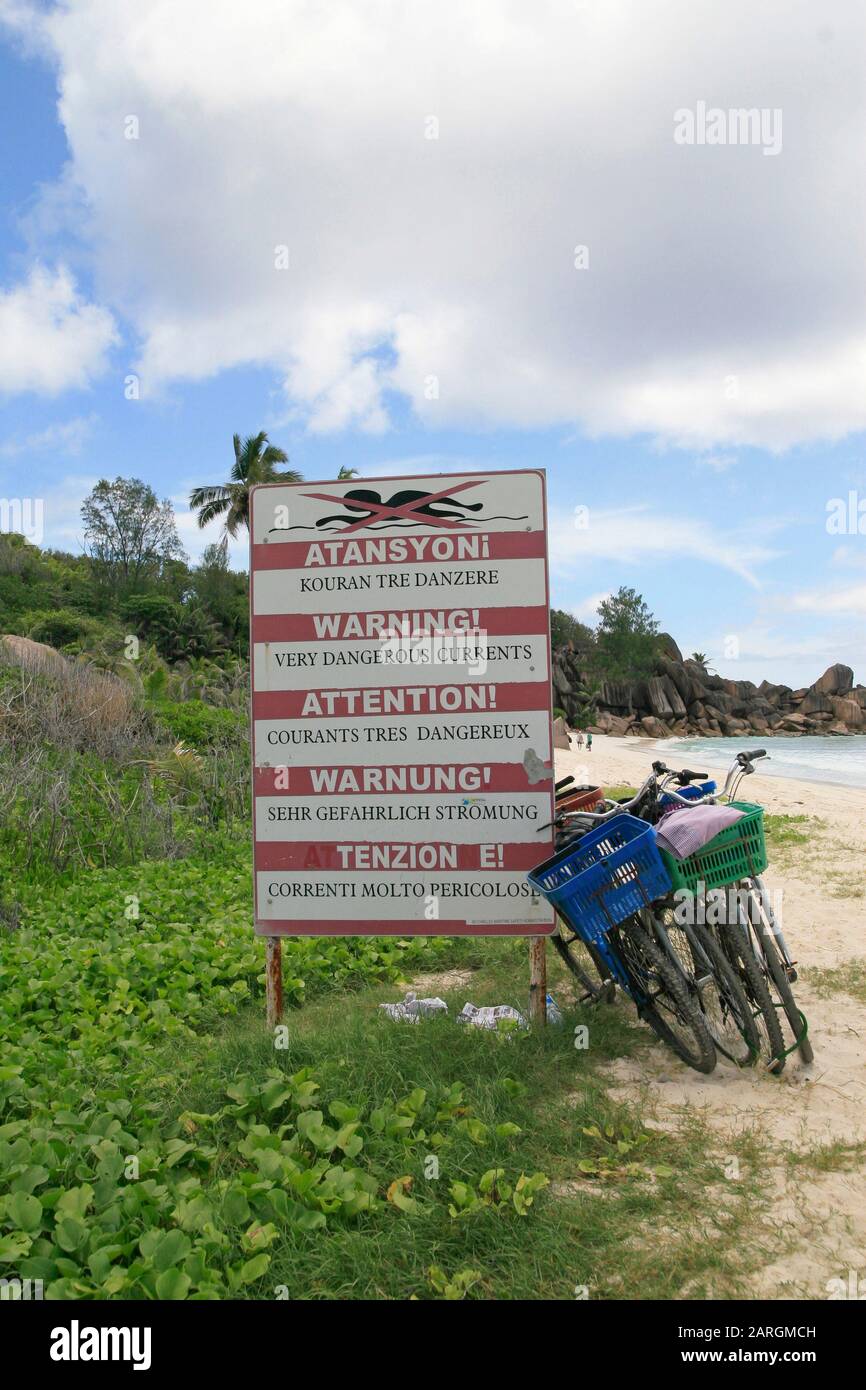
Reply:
x=738 y=950
x=601 y=991
x=778 y=974
x=658 y=979
x=727 y=992
x=711 y=981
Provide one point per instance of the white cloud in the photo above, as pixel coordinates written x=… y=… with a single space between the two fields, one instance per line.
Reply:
x=830 y=602
x=68 y=437
x=586 y=609
x=194 y=538
x=51 y=339
x=767 y=652
x=722 y=305
x=60 y=506
x=850 y=556
x=635 y=534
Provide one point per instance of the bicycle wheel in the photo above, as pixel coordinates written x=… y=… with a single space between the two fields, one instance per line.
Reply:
x=779 y=977
x=716 y=988
x=576 y=954
x=760 y=920
x=738 y=950
x=662 y=997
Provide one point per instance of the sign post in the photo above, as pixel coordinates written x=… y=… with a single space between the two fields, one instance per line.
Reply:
x=538 y=980
x=274 y=982
x=401 y=707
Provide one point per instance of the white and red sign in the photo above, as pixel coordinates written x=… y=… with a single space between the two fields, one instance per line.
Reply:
x=401 y=705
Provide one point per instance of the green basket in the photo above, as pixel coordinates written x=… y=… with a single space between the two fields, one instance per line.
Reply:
x=737 y=852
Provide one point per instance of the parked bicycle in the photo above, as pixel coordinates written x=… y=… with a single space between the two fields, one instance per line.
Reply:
x=727 y=875
x=712 y=921
x=599 y=886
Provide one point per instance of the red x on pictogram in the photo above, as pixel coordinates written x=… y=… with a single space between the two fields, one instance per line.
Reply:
x=408 y=509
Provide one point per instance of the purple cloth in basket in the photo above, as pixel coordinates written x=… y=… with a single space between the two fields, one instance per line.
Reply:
x=687 y=829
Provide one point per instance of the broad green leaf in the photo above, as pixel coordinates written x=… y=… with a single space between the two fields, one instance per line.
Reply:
x=173 y=1284
x=171 y=1250
x=24 y=1211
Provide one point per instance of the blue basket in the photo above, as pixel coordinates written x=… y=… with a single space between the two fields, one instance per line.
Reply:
x=693 y=792
x=609 y=874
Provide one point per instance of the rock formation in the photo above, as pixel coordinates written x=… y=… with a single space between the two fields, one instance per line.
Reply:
x=682 y=697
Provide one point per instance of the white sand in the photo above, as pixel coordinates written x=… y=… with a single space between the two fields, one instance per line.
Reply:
x=820 y=1217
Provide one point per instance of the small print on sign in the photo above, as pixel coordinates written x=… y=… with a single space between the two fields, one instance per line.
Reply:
x=401 y=705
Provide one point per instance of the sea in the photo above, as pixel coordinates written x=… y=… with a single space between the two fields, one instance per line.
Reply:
x=813 y=758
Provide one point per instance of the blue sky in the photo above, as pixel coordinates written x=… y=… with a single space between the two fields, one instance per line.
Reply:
x=699 y=385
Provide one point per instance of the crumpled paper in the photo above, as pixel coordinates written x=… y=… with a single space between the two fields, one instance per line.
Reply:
x=411 y=1009
x=490 y=1015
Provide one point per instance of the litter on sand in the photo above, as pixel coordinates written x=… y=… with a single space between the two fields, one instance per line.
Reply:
x=410 y=1009
x=490 y=1015
x=554 y=1016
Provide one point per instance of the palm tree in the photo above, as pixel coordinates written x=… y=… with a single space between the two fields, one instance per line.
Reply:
x=255 y=462
x=700 y=658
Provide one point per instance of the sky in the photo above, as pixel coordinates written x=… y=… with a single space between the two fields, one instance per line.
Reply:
x=408 y=237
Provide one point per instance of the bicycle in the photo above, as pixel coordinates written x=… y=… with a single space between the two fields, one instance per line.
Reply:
x=754 y=934
x=711 y=980
x=567 y=943
x=599 y=887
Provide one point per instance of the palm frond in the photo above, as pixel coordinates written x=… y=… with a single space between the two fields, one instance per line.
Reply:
x=272 y=455
x=200 y=496
x=211 y=510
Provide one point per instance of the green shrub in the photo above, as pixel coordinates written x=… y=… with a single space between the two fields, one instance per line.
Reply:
x=103 y=1195
x=200 y=725
x=177 y=630
x=62 y=627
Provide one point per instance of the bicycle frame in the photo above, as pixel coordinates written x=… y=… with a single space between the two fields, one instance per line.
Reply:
x=766 y=921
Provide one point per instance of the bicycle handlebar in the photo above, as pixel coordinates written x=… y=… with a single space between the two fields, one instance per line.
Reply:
x=565 y=782
x=741 y=764
x=683 y=777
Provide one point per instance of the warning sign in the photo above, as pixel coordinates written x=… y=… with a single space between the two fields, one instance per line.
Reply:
x=401 y=705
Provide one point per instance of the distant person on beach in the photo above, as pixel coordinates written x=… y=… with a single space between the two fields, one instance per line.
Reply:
x=589 y=742
x=580 y=738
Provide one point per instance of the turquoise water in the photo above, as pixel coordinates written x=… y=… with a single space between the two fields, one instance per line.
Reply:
x=812 y=758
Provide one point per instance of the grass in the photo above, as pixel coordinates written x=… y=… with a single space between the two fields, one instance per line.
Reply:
x=602 y=1232
x=847 y=886
x=783 y=831
x=848 y=978
x=365 y=1158
x=836 y=1156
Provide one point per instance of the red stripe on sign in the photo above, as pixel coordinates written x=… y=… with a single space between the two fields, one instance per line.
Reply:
x=402 y=701
x=411 y=927
x=416 y=779
x=329 y=552
x=343 y=627
x=374 y=856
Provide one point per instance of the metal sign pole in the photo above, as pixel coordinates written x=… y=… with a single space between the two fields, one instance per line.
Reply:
x=274 y=982
x=538 y=980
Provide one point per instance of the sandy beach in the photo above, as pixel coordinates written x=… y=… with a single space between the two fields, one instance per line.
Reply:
x=818 y=1216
